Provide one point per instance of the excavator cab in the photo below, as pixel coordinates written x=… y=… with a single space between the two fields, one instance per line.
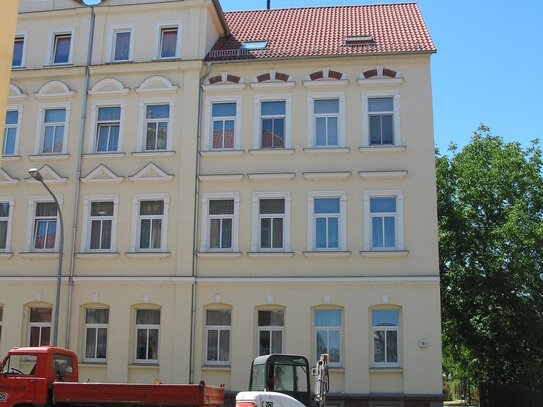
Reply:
x=287 y=374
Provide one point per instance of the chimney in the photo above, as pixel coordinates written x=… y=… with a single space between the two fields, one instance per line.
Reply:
x=268 y=4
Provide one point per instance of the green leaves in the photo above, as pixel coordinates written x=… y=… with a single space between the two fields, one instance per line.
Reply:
x=490 y=213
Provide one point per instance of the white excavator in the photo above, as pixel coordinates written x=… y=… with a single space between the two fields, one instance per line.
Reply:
x=283 y=381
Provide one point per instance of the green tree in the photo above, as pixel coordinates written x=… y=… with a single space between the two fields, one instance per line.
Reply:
x=490 y=211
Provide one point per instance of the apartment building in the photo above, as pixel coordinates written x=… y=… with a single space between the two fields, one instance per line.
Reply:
x=231 y=184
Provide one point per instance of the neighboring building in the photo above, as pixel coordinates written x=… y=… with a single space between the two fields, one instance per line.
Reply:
x=232 y=184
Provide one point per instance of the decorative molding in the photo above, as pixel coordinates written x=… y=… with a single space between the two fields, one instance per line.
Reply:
x=103 y=155
x=137 y=255
x=224 y=86
x=151 y=173
x=102 y=175
x=48 y=157
x=272 y=84
x=221 y=177
x=157 y=84
x=108 y=87
x=327 y=150
x=39 y=255
x=224 y=153
x=49 y=175
x=380 y=76
x=11 y=158
x=15 y=93
x=144 y=154
x=272 y=79
x=270 y=255
x=272 y=151
x=382 y=149
x=326 y=280
x=279 y=176
x=387 y=174
x=218 y=255
x=326 y=83
x=54 y=89
x=6 y=179
x=224 y=81
x=379 y=81
x=327 y=254
x=384 y=253
x=6 y=255
x=326 y=176
x=97 y=255
x=325 y=77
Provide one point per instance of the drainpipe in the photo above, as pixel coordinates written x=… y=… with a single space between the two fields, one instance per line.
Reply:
x=77 y=191
x=195 y=222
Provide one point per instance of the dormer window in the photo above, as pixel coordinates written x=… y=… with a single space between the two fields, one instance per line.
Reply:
x=254 y=45
x=353 y=40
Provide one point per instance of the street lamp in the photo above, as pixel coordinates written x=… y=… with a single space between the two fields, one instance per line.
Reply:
x=34 y=173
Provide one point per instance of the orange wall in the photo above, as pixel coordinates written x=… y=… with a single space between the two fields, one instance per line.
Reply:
x=8 y=21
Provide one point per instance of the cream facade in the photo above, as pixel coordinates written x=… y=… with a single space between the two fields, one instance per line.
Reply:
x=208 y=216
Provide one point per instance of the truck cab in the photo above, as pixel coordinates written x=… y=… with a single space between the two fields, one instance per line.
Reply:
x=277 y=379
x=26 y=374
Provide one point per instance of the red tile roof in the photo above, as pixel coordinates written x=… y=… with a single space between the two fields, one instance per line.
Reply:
x=321 y=31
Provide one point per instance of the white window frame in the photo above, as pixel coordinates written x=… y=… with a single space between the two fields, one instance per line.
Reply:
x=19 y=109
x=311 y=231
x=87 y=228
x=147 y=327
x=270 y=329
x=52 y=45
x=328 y=329
x=96 y=326
x=136 y=222
x=395 y=95
x=40 y=325
x=11 y=202
x=40 y=126
x=93 y=125
x=218 y=328
x=33 y=200
x=208 y=140
x=112 y=45
x=257 y=196
x=385 y=328
x=206 y=220
x=24 y=36
x=287 y=99
x=311 y=140
x=165 y=25
x=143 y=123
x=399 y=219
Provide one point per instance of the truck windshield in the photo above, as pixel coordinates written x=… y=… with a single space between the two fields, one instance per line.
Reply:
x=20 y=365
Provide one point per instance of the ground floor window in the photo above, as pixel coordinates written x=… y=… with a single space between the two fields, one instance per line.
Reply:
x=218 y=325
x=147 y=335
x=385 y=330
x=39 y=326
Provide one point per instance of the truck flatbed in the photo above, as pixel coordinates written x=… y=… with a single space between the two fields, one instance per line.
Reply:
x=137 y=394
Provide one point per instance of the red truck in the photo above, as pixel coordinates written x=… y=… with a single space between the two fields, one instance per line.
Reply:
x=48 y=376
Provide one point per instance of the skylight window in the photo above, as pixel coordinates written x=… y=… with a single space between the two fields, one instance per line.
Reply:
x=252 y=45
x=358 y=39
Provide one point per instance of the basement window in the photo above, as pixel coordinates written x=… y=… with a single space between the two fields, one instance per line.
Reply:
x=254 y=45
x=354 y=40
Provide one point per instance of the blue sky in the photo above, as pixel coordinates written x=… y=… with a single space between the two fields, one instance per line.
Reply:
x=488 y=67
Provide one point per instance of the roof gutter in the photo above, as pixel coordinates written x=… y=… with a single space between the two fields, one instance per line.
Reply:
x=309 y=57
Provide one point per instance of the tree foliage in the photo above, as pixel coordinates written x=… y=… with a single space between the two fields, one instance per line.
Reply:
x=490 y=211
